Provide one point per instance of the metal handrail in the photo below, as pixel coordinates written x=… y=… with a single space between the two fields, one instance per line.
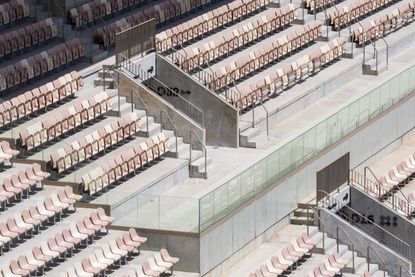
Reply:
x=320 y=222
x=406 y=269
x=387 y=51
x=381 y=191
x=237 y=92
x=348 y=237
x=145 y=105
x=107 y=69
x=172 y=122
x=194 y=135
x=199 y=113
x=380 y=258
x=328 y=196
x=267 y=114
x=378 y=183
x=364 y=44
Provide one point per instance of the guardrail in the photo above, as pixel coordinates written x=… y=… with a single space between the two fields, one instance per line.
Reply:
x=387 y=238
x=375 y=189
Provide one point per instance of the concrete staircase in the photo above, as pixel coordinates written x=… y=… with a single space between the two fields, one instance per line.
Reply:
x=182 y=151
x=330 y=247
x=304 y=215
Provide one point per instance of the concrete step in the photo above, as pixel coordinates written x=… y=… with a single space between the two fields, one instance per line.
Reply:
x=197 y=169
x=302 y=220
x=109 y=82
x=245 y=138
x=171 y=142
x=303 y=213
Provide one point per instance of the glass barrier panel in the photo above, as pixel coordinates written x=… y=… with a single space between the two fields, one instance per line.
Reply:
x=260 y=175
x=353 y=116
x=206 y=211
x=375 y=106
x=273 y=167
x=404 y=81
x=412 y=79
x=248 y=184
x=297 y=151
x=364 y=106
x=385 y=96
x=321 y=136
x=285 y=159
x=234 y=192
x=220 y=202
x=332 y=132
x=309 y=143
x=178 y=214
x=394 y=86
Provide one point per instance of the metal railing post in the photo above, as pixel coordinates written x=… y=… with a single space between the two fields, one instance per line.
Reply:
x=172 y=123
x=405 y=268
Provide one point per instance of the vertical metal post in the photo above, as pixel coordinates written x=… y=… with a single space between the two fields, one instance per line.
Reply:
x=353 y=253
x=368 y=259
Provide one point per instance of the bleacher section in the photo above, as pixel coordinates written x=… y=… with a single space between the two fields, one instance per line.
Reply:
x=103 y=174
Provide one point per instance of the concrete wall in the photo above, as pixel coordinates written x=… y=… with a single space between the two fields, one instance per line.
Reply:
x=361 y=241
x=385 y=218
x=274 y=204
x=221 y=119
x=156 y=104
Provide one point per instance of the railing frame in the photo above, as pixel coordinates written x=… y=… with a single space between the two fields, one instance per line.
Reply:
x=192 y=136
x=172 y=123
x=369 y=247
x=142 y=101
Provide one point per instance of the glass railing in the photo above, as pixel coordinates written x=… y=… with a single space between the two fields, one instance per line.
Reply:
x=157 y=212
x=197 y=214
x=232 y=194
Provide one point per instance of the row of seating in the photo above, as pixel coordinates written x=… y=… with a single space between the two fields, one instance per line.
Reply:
x=165 y=11
x=40 y=64
x=29 y=36
x=7 y=153
x=58 y=248
x=64 y=120
x=389 y=22
x=273 y=50
x=313 y=5
x=342 y=16
x=390 y=183
x=288 y=259
x=13 y=11
x=39 y=99
x=21 y=183
x=283 y=78
x=93 y=10
x=271 y=20
x=399 y=175
x=38 y=216
x=331 y=266
x=111 y=170
x=95 y=142
x=110 y=255
x=215 y=19
x=161 y=264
